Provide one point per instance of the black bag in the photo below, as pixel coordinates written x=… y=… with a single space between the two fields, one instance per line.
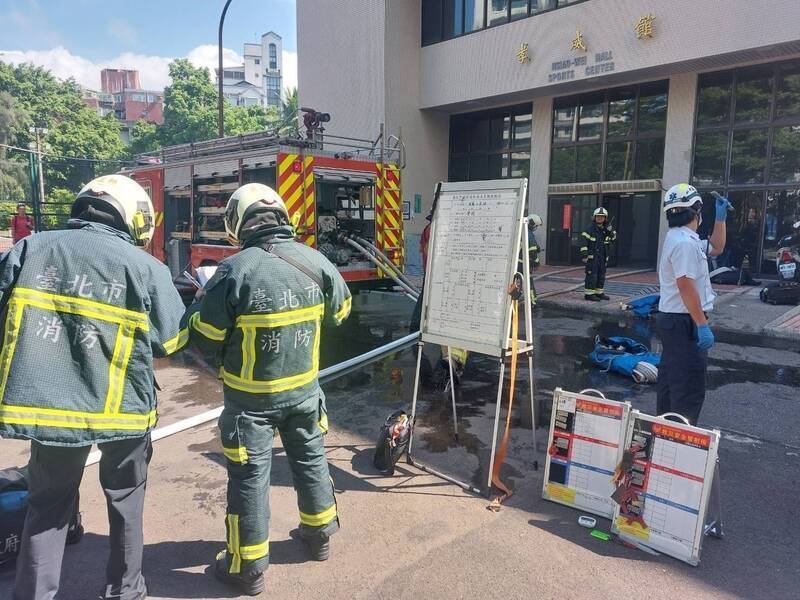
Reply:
x=13 y=506
x=392 y=442
x=735 y=277
x=781 y=292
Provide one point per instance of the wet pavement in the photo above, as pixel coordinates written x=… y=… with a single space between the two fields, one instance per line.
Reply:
x=753 y=398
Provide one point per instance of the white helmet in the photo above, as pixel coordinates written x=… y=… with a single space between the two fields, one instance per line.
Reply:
x=535 y=221
x=249 y=198
x=600 y=212
x=681 y=195
x=126 y=198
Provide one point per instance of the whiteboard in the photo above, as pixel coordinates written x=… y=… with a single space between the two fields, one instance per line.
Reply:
x=678 y=462
x=472 y=258
x=584 y=448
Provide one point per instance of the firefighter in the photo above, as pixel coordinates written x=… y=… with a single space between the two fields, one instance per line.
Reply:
x=261 y=313
x=84 y=313
x=594 y=254
x=534 y=222
x=686 y=299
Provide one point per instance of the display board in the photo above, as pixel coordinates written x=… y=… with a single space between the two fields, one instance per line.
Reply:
x=585 y=444
x=472 y=258
x=665 y=503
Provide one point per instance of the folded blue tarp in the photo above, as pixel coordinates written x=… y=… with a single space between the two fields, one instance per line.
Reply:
x=645 y=306
x=621 y=355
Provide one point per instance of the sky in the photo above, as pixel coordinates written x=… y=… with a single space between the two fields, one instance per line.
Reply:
x=78 y=38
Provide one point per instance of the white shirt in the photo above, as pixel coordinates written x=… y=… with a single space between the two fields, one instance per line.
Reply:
x=684 y=255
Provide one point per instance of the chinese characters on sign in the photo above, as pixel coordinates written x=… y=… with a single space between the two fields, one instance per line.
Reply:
x=522 y=54
x=578 y=43
x=644 y=27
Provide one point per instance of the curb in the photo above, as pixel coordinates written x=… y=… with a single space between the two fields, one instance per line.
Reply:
x=774 y=328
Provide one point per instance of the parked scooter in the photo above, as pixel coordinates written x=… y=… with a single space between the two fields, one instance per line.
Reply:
x=787 y=259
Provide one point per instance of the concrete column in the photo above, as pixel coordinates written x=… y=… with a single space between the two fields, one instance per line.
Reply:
x=540 y=164
x=680 y=131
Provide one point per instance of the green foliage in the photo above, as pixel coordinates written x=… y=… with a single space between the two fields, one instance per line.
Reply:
x=289 y=107
x=144 y=138
x=12 y=169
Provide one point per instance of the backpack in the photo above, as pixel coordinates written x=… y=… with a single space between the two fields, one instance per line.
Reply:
x=781 y=292
x=392 y=442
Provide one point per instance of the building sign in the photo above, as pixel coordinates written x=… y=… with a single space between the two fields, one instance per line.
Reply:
x=522 y=54
x=406 y=210
x=644 y=27
x=578 y=43
x=564 y=70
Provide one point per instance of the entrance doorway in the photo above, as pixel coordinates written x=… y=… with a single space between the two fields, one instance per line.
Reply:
x=635 y=216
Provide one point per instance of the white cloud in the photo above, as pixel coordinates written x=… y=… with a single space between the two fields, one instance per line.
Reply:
x=289 y=69
x=207 y=56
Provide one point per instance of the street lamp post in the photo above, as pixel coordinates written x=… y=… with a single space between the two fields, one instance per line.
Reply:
x=221 y=99
x=39 y=151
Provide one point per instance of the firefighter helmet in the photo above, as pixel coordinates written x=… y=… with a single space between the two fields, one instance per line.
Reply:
x=681 y=195
x=244 y=202
x=534 y=221
x=600 y=212
x=125 y=198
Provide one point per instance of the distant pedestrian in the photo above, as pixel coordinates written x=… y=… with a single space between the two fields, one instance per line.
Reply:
x=21 y=223
x=594 y=254
x=686 y=298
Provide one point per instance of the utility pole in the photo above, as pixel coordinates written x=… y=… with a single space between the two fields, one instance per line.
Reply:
x=39 y=150
x=221 y=98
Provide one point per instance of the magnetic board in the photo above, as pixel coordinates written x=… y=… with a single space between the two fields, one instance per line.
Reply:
x=678 y=464
x=472 y=258
x=585 y=444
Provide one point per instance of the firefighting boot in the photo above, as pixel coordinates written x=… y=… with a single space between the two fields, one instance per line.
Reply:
x=319 y=548
x=603 y=297
x=250 y=585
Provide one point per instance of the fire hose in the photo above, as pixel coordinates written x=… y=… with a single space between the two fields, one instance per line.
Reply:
x=389 y=268
x=370 y=246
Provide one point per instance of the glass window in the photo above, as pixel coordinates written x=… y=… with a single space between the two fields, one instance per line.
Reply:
x=785 y=166
x=714 y=99
x=783 y=209
x=589 y=163
x=710 y=153
x=564 y=124
x=479 y=135
x=522 y=131
x=478 y=167
x=619 y=161
x=590 y=125
x=498 y=166
x=519 y=9
x=787 y=100
x=753 y=95
x=520 y=164
x=748 y=156
x=540 y=5
x=458 y=170
x=459 y=135
x=653 y=108
x=500 y=132
x=273 y=56
x=650 y=158
x=453 y=18
x=621 y=108
x=498 y=12
x=562 y=165
x=473 y=15
x=431 y=21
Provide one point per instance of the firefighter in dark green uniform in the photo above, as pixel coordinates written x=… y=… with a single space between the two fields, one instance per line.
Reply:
x=534 y=222
x=594 y=254
x=83 y=314
x=262 y=313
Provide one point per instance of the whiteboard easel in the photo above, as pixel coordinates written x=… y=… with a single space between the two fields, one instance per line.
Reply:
x=477 y=231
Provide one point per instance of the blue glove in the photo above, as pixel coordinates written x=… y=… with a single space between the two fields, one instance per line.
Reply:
x=705 y=339
x=722 y=207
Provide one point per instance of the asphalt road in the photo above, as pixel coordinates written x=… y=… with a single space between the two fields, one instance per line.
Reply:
x=415 y=536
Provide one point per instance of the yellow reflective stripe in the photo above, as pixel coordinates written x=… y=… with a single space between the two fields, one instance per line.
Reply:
x=319 y=519
x=12 y=326
x=83 y=307
x=178 y=342
x=343 y=312
x=233 y=543
x=248 y=352
x=289 y=317
x=209 y=331
x=584 y=248
x=270 y=386
x=588 y=237
x=237 y=455
x=255 y=551
x=50 y=417
x=118 y=367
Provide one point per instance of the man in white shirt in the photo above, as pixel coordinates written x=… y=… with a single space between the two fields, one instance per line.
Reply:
x=686 y=298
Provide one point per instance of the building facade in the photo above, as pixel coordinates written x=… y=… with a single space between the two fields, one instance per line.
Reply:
x=598 y=103
x=259 y=80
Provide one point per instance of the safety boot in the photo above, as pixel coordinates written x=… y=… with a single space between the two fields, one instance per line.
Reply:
x=319 y=548
x=249 y=585
x=591 y=298
x=602 y=297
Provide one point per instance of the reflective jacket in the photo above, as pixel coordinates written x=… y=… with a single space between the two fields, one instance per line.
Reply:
x=83 y=314
x=595 y=242
x=262 y=317
x=533 y=252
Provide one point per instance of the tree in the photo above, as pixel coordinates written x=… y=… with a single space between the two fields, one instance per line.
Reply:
x=12 y=172
x=74 y=129
x=144 y=138
x=289 y=108
x=247 y=119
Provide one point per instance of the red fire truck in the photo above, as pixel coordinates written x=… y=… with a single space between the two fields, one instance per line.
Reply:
x=337 y=190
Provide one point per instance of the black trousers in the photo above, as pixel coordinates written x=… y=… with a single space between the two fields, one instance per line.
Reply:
x=681 y=384
x=55 y=474
x=416 y=315
x=595 y=276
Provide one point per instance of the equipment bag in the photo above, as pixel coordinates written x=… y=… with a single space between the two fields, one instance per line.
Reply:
x=781 y=292
x=392 y=442
x=13 y=506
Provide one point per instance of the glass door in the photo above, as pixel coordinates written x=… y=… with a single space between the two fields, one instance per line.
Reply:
x=567 y=217
x=636 y=217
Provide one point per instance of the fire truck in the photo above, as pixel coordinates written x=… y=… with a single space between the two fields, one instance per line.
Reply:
x=343 y=196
